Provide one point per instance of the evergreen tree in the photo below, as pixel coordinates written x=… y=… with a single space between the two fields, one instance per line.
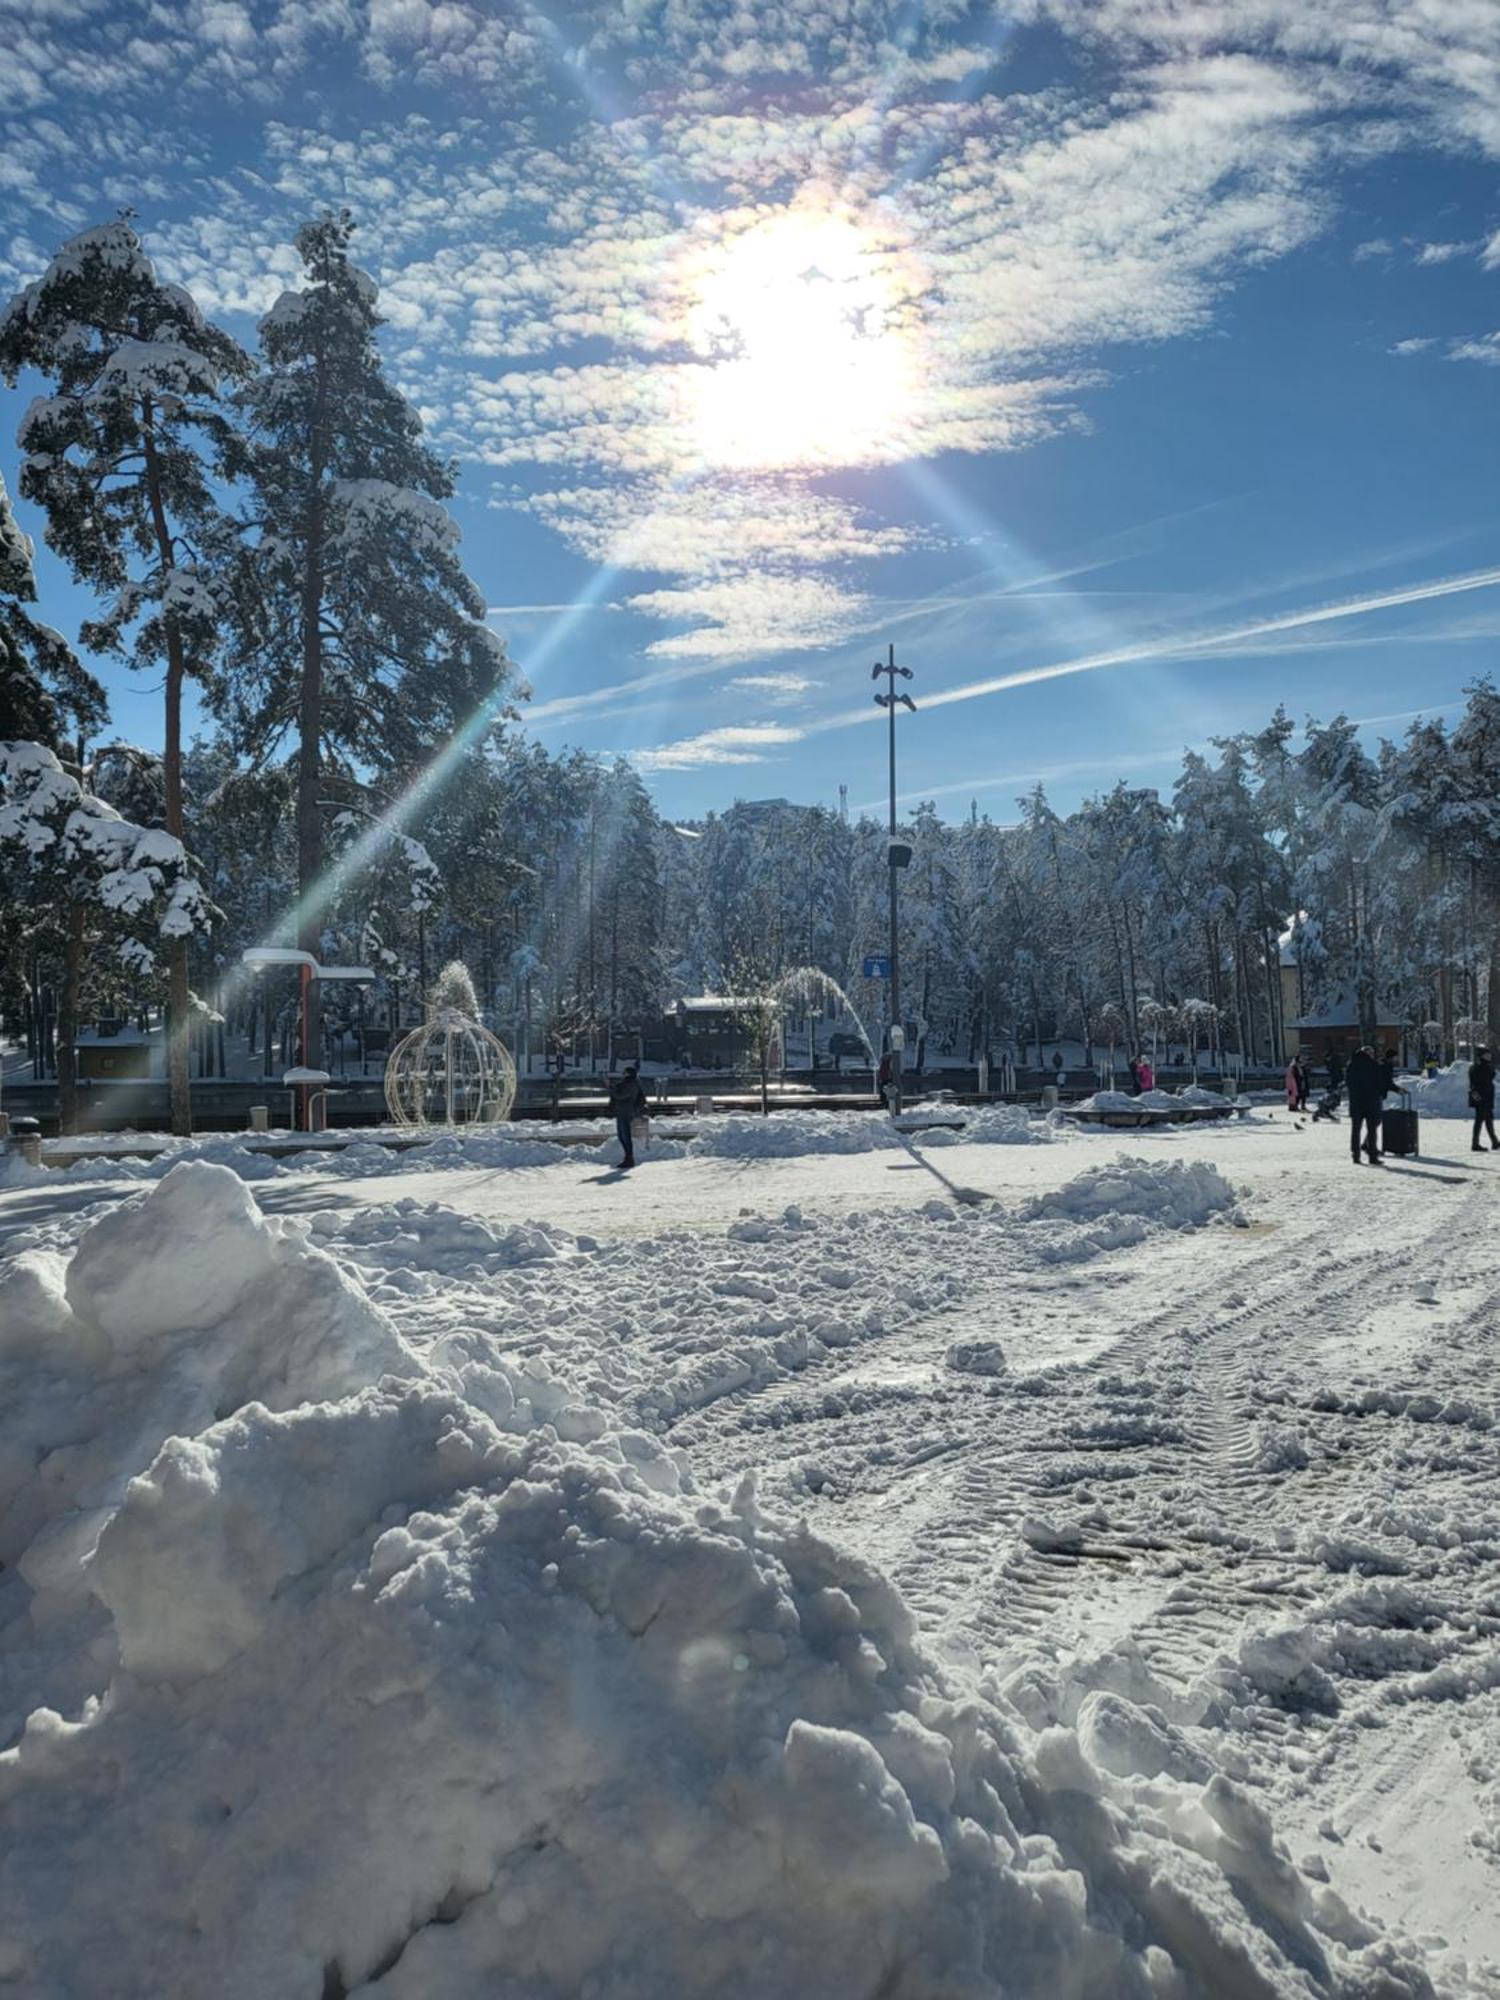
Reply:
x=364 y=639
x=86 y=891
x=122 y=455
x=45 y=693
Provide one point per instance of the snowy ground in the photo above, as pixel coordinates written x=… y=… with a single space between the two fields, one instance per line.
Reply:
x=1179 y=1447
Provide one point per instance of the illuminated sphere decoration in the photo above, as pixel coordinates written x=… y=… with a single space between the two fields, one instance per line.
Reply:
x=451 y=1070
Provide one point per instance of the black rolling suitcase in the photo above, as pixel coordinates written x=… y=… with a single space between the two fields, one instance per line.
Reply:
x=1398 y=1130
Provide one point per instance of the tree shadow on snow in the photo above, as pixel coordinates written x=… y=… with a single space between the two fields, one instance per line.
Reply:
x=22 y=1207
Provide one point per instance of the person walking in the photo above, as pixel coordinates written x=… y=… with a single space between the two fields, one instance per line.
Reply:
x=1135 y=1076
x=1365 y=1081
x=1335 y=1070
x=1145 y=1074
x=1482 y=1099
x=627 y=1101
x=1296 y=1086
x=1304 y=1082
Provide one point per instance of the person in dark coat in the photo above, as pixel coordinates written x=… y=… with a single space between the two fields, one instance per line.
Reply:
x=627 y=1101
x=1335 y=1070
x=1365 y=1081
x=1482 y=1098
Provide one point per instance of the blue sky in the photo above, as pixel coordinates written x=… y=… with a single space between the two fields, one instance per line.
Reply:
x=1100 y=335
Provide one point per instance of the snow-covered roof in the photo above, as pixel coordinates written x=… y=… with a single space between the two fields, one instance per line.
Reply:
x=1343 y=1013
x=273 y=954
x=713 y=1003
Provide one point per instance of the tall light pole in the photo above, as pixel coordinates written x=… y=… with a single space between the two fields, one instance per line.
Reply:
x=898 y=853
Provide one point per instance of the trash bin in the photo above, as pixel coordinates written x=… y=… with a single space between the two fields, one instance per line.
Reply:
x=1049 y=1097
x=260 y=1118
x=26 y=1139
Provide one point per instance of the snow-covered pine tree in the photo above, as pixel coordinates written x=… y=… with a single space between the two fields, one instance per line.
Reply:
x=365 y=640
x=45 y=691
x=123 y=455
x=79 y=884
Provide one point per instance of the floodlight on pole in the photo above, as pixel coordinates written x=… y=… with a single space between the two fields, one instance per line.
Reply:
x=898 y=853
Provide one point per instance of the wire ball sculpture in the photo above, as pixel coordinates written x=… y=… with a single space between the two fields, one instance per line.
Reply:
x=451 y=1070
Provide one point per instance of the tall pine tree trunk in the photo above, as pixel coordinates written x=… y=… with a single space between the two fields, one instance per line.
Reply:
x=310 y=757
x=179 y=995
x=67 y=1022
x=179 y=999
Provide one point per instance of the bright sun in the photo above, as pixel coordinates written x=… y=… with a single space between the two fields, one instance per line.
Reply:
x=807 y=363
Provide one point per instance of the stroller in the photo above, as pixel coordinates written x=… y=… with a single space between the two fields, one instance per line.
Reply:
x=1328 y=1104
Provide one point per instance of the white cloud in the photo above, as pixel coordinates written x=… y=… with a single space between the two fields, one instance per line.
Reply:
x=782 y=690
x=1444 y=253
x=1484 y=348
x=741 y=744
x=751 y=616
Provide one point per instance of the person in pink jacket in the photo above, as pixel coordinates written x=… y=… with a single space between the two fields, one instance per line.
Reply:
x=1296 y=1085
x=1145 y=1072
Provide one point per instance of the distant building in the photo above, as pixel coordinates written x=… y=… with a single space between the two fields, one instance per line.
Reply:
x=1318 y=1030
x=112 y=1048
x=716 y=1032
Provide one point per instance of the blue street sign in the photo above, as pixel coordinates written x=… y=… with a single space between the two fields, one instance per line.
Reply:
x=877 y=967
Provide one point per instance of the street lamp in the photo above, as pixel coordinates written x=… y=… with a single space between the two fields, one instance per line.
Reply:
x=898 y=853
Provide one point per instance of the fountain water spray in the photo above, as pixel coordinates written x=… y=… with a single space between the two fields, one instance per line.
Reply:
x=805 y=989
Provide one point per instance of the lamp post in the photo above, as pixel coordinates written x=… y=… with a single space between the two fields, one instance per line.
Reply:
x=259 y=958
x=898 y=853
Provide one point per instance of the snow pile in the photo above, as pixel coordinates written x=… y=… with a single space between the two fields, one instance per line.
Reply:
x=355 y=1159
x=174 y=1309
x=1445 y=1095
x=17 y=1172
x=1178 y=1194
x=408 y=1236
x=411 y=1693
x=740 y=1136
x=994 y=1125
x=1109 y=1100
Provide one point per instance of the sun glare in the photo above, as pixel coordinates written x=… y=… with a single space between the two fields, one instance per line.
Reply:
x=807 y=359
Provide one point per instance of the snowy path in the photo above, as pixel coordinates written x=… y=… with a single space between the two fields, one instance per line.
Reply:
x=1150 y=1491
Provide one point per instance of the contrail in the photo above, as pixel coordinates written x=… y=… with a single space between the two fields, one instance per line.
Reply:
x=1168 y=648
x=1290 y=621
